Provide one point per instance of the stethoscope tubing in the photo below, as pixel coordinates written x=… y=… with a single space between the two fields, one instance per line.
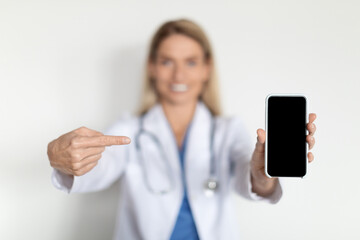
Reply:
x=211 y=183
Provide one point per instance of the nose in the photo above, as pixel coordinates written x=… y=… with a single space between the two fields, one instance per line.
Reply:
x=179 y=74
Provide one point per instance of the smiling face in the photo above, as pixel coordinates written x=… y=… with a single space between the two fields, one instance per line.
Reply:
x=179 y=70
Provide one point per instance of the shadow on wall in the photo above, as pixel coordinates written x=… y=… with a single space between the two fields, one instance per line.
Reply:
x=96 y=212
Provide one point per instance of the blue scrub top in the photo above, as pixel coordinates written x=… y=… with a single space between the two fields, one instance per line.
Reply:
x=185 y=225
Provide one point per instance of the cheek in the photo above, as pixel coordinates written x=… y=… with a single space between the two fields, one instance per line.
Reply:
x=161 y=84
x=199 y=86
x=198 y=78
x=163 y=74
x=199 y=74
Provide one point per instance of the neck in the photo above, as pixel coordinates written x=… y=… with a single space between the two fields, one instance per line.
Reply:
x=179 y=117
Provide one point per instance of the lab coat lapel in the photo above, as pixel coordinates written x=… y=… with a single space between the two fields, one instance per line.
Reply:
x=197 y=165
x=197 y=149
x=156 y=123
x=197 y=158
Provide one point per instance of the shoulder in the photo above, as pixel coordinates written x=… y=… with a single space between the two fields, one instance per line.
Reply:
x=235 y=129
x=233 y=123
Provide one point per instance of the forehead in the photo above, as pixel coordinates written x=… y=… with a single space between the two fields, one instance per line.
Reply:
x=179 y=46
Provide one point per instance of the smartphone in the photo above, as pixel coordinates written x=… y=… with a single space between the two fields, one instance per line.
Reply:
x=285 y=144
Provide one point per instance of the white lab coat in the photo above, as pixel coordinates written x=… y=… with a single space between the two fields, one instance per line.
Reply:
x=144 y=215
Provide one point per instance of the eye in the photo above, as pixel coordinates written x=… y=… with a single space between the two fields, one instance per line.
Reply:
x=191 y=63
x=165 y=62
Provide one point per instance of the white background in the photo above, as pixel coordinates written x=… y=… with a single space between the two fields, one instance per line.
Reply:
x=65 y=64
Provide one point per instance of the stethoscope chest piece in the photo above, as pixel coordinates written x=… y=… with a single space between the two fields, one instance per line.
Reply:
x=211 y=185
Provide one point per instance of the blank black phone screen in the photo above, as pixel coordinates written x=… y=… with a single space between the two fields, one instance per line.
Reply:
x=286 y=132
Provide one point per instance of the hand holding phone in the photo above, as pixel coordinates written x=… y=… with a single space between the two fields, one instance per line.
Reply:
x=285 y=145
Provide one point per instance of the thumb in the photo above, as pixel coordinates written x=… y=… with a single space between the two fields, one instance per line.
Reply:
x=260 y=144
x=261 y=135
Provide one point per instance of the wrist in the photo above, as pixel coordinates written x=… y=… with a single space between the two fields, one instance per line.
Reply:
x=263 y=185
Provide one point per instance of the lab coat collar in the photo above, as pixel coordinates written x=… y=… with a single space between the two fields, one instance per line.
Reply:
x=155 y=120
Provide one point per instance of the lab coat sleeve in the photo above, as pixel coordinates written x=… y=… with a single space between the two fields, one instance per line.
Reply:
x=240 y=156
x=110 y=167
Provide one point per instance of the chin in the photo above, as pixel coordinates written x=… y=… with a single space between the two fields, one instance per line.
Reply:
x=180 y=100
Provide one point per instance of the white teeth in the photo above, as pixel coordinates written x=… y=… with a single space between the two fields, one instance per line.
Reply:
x=179 y=87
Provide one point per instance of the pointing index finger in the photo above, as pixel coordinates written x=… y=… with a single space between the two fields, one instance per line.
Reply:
x=107 y=140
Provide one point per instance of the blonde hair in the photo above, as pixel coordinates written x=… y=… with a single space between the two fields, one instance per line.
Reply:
x=210 y=93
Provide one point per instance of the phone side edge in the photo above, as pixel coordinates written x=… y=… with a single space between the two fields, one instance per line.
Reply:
x=307 y=132
x=266 y=135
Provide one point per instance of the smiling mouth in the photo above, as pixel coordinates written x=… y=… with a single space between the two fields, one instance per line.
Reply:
x=179 y=87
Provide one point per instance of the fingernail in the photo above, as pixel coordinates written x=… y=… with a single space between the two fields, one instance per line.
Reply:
x=127 y=140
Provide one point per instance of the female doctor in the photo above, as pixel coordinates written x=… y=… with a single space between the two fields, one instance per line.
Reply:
x=184 y=159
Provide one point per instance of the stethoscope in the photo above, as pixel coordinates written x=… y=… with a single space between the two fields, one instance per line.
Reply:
x=211 y=185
